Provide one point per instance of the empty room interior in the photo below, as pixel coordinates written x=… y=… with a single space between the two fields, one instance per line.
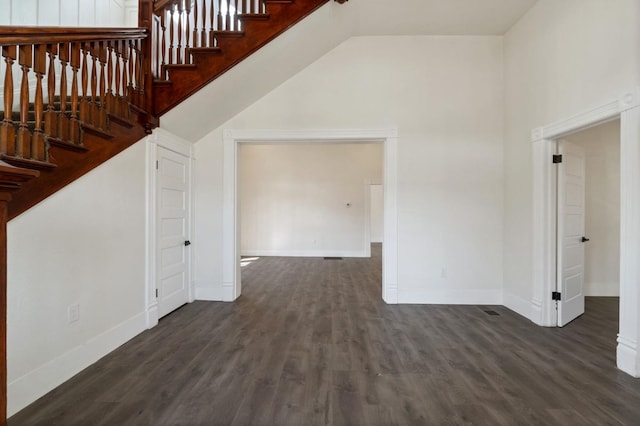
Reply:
x=392 y=212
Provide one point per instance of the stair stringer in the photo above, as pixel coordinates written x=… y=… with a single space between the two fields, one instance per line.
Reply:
x=72 y=164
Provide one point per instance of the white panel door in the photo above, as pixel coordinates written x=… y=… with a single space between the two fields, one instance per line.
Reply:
x=571 y=213
x=172 y=231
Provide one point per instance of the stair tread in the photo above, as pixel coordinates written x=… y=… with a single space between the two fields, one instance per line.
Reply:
x=214 y=49
x=96 y=131
x=224 y=33
x=177 y=66
x=67 y=145
x=254 y=16
x=27 y=163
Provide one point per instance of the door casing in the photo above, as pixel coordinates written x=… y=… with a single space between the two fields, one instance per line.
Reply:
x=542 y=310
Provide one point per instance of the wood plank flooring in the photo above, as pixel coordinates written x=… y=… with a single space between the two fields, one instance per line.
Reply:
x=310 y=342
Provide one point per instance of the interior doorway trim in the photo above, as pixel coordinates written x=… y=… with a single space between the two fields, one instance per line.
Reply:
x=627 y=109
x=232 y=286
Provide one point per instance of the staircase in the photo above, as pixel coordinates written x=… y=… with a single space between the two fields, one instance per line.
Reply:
x=73 y=98
x=199 y=40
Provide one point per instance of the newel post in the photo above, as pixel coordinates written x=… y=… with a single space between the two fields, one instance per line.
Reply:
x=145 y=20
x=11 y=178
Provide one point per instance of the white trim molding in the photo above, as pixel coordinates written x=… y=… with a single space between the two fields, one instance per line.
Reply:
x=629 y=336
x=232 y=286
x=26 y=389
x=627 y=108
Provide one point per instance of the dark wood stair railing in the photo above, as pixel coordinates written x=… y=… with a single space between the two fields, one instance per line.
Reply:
x=195 y=41
x=78 y=88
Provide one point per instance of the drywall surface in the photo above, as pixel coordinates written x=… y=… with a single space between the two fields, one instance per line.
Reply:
x=602 y=208
x=444 y=94
x=561 y=58
x=85 y=247
x=306 y=199
x=66 y=13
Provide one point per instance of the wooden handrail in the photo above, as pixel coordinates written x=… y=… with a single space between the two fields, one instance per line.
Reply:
x=37 y=35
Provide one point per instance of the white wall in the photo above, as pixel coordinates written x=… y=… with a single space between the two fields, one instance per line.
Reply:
x=376 y=211
x=602 y=207
x=445 y=96
x=84 y=245
x=306 y=199
x=561 y=58
x=68 y=13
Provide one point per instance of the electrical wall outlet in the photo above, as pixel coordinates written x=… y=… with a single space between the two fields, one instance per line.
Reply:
x=73 y=313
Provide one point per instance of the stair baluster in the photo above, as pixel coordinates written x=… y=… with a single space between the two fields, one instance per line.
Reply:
x=85 y=115
x=25 y=58
x=94 y=112
x=187 y=33
x=50 y=116
x=63 y=120
x=212 y=19
x=179 y=53
x=101 y=48
x=38 y=142
x=171 y=34
x=76 y=61
x=7 y=129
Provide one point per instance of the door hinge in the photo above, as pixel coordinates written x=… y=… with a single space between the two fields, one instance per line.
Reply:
x=156 y=164
x=556 y=295
x=557 y=158
x=156 y=293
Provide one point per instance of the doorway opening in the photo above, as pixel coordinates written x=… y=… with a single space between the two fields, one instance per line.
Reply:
x=232 y=243
x=306 y=200
x=626 y=108
x=587 y=220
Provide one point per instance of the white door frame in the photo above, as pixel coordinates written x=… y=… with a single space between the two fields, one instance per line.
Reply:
x=232 y=286
x=627 y=109
x=367 y=214
x=164 y=139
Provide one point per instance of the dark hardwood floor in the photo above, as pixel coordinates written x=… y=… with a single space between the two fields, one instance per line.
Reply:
x=311 y=342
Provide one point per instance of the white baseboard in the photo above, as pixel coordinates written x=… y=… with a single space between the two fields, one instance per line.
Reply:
x=391 y=296
x=215 y=294
x=306 y=253
x=451 y=297
x=628 y=357
x=602 y=289
x=521 y=306
x=26 y=389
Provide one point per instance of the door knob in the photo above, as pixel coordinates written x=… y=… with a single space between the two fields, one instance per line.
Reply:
x=585 y=239
x=187 y=243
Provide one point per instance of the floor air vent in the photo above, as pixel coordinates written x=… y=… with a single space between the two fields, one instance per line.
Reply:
x=332 y=258
x=491 y=313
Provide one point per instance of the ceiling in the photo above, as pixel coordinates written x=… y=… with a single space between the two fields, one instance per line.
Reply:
x=435 y=17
